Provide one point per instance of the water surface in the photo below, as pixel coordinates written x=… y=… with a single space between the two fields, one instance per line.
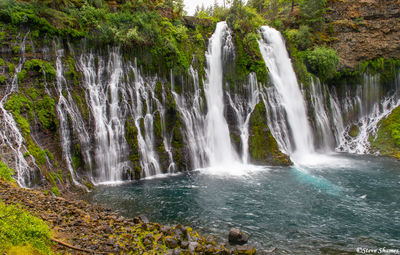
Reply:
x=333 y=204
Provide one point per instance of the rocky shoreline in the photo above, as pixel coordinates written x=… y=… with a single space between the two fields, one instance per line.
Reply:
x=81 y=228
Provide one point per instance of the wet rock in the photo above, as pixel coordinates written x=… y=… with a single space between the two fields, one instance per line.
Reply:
x=166 y=230
x=237 y=236
x=193 y=246
x=147 y=242
x=140 y=219
x=245 y=250
x=185 y=244
x=171 y=242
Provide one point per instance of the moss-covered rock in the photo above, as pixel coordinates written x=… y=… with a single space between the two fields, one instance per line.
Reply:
x=263 y=147
x=387 y=141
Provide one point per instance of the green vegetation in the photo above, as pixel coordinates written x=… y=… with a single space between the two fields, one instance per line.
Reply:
x=55 y=191
x=22 y=233
x=387 y=141
x=131 y=138
x=323 y=62
x=6 y=173
x=41 y=66
x=263 y=148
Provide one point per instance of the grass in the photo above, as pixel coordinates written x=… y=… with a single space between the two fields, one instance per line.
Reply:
x=22 y=233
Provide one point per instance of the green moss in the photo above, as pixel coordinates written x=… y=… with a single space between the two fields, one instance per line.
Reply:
x=37 y=153
x=2 y=35
x=16 y=49
x=55 y=191
x=387 y=141
x=131 y=138
x=6 y=172
x=1 y=62
x=42 y=67
x=45 y=112
x=263 y=147
x=22 y=232
x=49 y=155
x=18 y=105
x=71 y=73
x=354 y=131
x=21 y=75
x=77 y=161
x=11 y=68
x=2 y=79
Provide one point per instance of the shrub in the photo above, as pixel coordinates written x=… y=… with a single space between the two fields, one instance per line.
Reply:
x=322 y=61
x=301 y=38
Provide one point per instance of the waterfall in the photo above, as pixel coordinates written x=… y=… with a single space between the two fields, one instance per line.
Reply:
x=219 y=149
x=103 y=86
x=323 y=126
x=142 y=91
x=190 y=106
x=243 y=109
x=284 y=79
x=10 y=135
x=67 y=109
x=369 y=105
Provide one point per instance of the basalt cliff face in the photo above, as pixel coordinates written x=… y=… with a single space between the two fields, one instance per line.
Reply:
x=365 y=29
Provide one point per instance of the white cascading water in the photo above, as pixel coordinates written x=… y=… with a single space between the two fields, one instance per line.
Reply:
x=323 y=123
x=103 y=82
x=243 y=110
x=277 y=60
x=276 y=118
x=67 y=109
x=219 y=149
x=141 y=91
x=371 y=110
x=190 y=105
x=10 y=135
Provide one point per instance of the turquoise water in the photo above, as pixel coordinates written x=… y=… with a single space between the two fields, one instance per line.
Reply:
x=337 y=205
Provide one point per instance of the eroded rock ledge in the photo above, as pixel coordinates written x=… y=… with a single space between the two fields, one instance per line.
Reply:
x=365 y=29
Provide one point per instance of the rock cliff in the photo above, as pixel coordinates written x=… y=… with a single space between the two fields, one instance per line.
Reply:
x=365 y=29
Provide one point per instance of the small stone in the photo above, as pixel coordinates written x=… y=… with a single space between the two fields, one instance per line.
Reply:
x=237 y=236
x=245 y=250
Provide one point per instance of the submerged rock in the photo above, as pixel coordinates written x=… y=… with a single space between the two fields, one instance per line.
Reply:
x=237 y=236
x=245 y=250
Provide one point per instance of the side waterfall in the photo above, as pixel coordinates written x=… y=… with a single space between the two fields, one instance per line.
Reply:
x=288 y=95
x=10 y=135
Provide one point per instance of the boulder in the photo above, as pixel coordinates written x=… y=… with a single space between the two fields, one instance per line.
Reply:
x=171 y=242
x=237 y=236
x=140 y=219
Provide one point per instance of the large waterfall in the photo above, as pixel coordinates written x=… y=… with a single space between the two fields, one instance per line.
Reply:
x=219 y=149
x=289 y=95
x=123 y=123
x=333 y=116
